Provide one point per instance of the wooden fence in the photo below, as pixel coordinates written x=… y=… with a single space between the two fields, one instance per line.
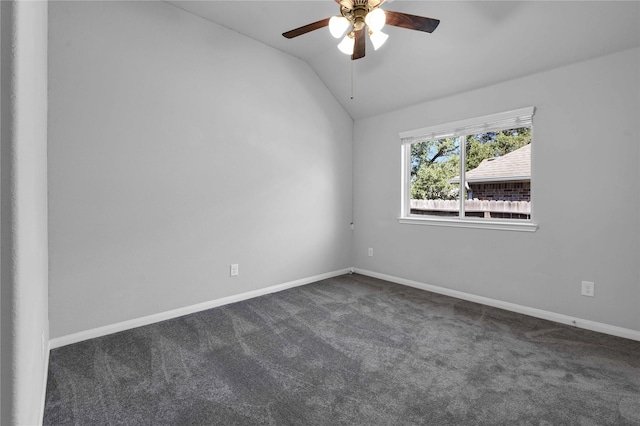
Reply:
x=475 y=207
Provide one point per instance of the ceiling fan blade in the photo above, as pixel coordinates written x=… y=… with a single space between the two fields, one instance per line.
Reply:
x=306 y=28
x=412 y=22
x=358 y=47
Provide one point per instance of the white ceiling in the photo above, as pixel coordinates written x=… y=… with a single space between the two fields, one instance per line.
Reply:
x=478 y=43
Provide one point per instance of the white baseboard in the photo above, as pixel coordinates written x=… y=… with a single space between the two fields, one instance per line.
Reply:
x=538 y=313
x=162 y=316
x=45 y=378
x=150 y=319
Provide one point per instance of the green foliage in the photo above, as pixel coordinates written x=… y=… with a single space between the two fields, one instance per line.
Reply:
x=435 y=162
x=494 y=144
x=510 y=140
x=478 y=151
x=432 y=164
x=430 y=182
x=424 y=154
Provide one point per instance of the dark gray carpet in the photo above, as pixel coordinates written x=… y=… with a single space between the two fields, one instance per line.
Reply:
x=352 y=350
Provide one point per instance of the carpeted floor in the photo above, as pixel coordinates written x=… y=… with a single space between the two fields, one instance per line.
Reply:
x=351 y=350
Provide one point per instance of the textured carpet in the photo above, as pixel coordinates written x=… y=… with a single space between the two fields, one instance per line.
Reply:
x=351 y=350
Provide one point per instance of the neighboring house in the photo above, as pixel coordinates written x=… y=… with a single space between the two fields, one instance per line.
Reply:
x=505 y=178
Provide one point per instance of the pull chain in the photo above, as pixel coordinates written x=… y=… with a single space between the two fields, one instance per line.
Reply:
x=351 y=78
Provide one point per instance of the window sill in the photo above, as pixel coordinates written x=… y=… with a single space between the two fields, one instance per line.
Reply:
x=511 y=225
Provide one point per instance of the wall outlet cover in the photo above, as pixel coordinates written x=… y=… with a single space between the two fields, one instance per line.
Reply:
x=588 y=288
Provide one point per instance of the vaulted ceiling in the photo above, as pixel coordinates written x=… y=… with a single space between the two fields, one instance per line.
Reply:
x=478 y=43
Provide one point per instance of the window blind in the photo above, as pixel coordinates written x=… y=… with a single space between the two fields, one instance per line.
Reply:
x=489 y=123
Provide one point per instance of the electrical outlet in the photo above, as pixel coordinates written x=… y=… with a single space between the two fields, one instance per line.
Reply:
x=588 y=288
x=370 y=252
x=234 y=269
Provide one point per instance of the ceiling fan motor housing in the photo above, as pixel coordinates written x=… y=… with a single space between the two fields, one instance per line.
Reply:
x=357 y=13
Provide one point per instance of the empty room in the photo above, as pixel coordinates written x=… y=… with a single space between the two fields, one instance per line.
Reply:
x=354 y=212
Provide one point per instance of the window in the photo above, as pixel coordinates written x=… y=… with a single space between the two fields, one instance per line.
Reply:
x=473 y=173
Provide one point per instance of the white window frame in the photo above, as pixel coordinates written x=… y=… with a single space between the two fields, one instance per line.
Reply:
x=460 y=129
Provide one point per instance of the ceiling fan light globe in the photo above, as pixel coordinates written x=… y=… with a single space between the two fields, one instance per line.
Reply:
x=375 y=19
x=378 y=38
x=346 y=45
x=338 y=25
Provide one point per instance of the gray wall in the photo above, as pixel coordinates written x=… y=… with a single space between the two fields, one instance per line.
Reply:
x=178 y=147
x=23 y=294
x=585 y=197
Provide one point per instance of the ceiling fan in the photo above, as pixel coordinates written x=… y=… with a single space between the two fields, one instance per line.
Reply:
x=364 y=15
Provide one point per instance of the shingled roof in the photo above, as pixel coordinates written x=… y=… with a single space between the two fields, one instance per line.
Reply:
x=513 y=166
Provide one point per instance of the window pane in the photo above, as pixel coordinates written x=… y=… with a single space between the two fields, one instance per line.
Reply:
x=498 y=174
x=434 y=166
